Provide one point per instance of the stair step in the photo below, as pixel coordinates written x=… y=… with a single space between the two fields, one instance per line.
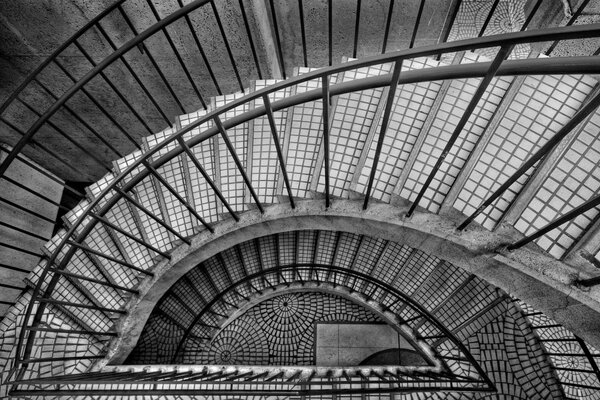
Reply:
x=455 y=97
x=65 y=290
x=262 y=161
x=176 y=174
x=150 y=197
x=303 y=136
x=232 y=182
x=412 y=104
x=99 y=239
x=205 y=201
x=539 y=108
x=122 y=215
x=352 y=124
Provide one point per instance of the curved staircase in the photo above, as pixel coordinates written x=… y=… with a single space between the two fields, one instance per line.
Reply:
x=129 y=232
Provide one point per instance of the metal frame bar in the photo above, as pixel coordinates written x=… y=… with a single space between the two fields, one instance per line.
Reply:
x=275 y=136
x=356 y=28
x=326 y=97
x=416 y=26
x=586 y=110
x=237 y=161
x=490 y=74
x=106 y=256
x=575 y=212
x=388 y=24
x=174 y=192
x=391 y=95
x=131 y=236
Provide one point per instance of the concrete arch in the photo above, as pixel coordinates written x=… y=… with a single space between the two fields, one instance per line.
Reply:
x=538 y=280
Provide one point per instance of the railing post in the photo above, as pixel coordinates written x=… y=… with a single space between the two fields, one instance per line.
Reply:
x=502 y=54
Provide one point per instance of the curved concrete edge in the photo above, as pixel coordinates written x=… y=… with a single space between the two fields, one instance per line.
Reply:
x=537 y=279
x=388 y=317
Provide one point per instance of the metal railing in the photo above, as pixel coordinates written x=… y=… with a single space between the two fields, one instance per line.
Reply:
x=118 y=190
x=112 y=116
x=440 y=373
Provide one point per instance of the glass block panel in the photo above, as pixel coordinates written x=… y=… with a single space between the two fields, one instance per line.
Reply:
x=263 y=162
x=412 y=104
x=451 y=110
x=574 y=180
x=541 y=107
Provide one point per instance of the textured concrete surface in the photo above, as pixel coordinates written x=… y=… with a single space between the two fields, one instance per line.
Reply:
x=32 y=30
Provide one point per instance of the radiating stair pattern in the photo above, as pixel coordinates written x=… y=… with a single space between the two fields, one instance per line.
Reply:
x=465 y=304
x=514 y=118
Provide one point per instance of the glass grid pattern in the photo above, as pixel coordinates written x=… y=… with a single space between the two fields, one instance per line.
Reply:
x=508 y=16
x=249 y=253
x=444 y=279
x=306 y=246
x=232 y=182
x=122 y=163
x=233 y=264
x=347 y=246
x=326 y=249
x=173 y=172
x=147 y=195
x=472 y=298
x=305 y=138
x=392 y=260
x=99 y=239
x=287 y=248
x=366 y=259
x=184 y=291
x=106 y=296
x=120 y=215
x=203 y=199
x=48 y=344
x=574 y=180
x=353 y=116
x=412 y=104
x=200 y=281
x=268 y=252
x=574 y=357
x=176 y=310
x=415 y=270
x=264 y=169
x=540 y=108
x=96 y=188
x=66 y=291
x=217 y=273
x=447 y=117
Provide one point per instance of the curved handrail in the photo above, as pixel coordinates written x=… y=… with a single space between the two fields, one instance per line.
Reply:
x=519 y=67
x=343 y=271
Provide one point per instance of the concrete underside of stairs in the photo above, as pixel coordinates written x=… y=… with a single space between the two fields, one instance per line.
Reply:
x=31 y=30
x=538 y=280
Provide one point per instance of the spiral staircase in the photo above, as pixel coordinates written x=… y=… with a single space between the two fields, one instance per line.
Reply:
x=451 y=189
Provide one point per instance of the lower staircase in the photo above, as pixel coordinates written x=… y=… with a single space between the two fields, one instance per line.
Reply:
x=127 y=235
